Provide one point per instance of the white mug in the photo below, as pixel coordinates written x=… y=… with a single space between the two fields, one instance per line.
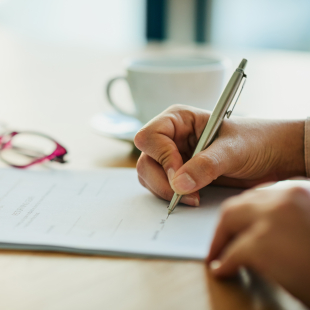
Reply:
x=157 y=82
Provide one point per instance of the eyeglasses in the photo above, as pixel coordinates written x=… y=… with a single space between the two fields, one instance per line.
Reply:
x=27 y=148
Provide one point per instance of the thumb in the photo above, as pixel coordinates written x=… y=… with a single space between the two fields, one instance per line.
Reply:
x=236 y=255
x=201 y=170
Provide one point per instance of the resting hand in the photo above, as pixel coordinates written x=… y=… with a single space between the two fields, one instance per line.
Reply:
x=268 y=231
x=246 y=152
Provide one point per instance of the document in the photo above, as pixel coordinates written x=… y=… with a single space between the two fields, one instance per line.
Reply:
x=105 y=212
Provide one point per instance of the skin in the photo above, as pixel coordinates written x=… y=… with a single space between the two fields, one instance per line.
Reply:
x=269 y=232
x=245 y=153
x=266 y=230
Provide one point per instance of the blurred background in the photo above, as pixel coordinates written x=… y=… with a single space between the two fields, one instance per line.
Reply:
x=56 y=57
x=117 y=24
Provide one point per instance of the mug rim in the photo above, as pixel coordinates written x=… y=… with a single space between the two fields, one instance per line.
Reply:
x=220 y=63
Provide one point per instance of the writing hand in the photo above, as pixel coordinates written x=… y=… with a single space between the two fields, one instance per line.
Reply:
x=245 y=153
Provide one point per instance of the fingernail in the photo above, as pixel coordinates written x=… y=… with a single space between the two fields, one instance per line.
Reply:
x=183 y=183
x=171 y=174
x=190 y=200
x=215 y=264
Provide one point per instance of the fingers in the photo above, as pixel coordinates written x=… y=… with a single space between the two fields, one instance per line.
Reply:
x=202 y=169
x=236 y=235
x=171 y=137
x=153 y=177
x=236 y=217
x=156 y=140
x=239 y=253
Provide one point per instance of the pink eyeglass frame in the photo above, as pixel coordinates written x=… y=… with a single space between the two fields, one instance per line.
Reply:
x=57 y=155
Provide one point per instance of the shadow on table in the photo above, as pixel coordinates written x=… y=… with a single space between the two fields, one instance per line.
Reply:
x=248 y=291
x=122 y=160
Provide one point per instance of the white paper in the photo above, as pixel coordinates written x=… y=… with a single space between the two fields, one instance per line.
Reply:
x=102 y=212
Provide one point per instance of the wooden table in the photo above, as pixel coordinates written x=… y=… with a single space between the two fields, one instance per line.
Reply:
x=57 y=90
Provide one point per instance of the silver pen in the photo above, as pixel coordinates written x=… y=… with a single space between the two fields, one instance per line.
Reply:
x=220 y=111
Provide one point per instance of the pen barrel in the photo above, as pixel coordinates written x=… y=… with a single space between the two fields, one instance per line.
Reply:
x=216 y=118
x=174 y=202
x=219 y=112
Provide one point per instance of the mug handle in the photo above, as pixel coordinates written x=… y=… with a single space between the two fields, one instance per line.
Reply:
x=108 y=93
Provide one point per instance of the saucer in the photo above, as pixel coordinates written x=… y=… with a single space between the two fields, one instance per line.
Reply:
x=115 y=125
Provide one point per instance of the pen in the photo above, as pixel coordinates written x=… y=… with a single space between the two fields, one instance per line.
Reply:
x=220 y=111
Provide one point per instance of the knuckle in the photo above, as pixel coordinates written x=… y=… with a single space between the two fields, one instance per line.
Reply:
x=296 y=192
x=227 y=211
x=226 y=204
x=282 y=206
x=290 y=199
x=232 y=203
x=141 y=138
x=141 y=165
x=177 y=107
x=165 y=153
x=209 y=165
x=175 y=112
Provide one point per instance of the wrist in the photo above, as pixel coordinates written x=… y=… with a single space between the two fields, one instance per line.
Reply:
x=292 y=149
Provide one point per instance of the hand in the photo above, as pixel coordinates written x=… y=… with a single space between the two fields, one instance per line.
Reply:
x=267 y=230
x=245 y=153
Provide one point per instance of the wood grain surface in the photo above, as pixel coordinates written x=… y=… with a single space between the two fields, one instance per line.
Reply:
x=57 y=90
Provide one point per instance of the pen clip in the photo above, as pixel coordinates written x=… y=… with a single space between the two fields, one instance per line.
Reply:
x=228 y=113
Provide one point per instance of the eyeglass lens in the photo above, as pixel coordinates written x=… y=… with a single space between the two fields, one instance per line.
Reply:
x=24 y=148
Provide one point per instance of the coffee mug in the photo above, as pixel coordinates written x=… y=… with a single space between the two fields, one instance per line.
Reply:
x=157 y=82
